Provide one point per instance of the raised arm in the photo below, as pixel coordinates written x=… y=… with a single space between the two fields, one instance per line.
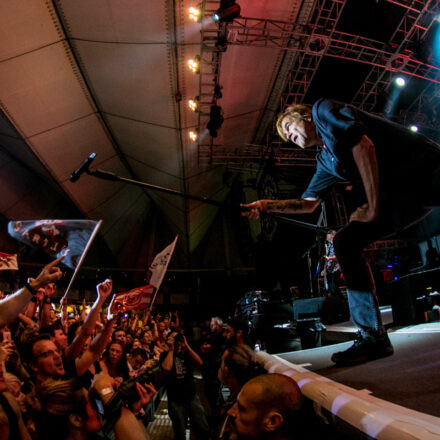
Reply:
x=167 y=363
x=97 y=347
x=293 y=206
x=197 y=360
x=13 y=304
x=49 y=290
x=364 y=154
x=104 y=290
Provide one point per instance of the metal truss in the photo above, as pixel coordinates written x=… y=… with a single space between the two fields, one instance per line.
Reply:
x=209 y=64
x=312 y=42
x=250 y=157
x=384 y=245
x=415 y=23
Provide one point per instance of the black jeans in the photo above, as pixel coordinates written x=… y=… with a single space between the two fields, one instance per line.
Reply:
x=349 y=243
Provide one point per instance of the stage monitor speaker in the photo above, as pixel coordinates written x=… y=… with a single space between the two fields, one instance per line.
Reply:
x=307 y=308
x=408 y=296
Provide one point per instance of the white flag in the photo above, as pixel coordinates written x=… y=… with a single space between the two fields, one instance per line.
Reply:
x=159 y=265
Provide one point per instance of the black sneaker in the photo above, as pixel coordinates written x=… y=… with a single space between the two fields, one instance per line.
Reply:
x=364 y=350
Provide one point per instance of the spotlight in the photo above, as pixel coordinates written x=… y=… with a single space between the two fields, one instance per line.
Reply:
x=195 y=14
x=193 y=135
x=194 y=65
x=414 y=128
x=215 y=120
x=193 y=104
x=229 y=9
x=400 y=82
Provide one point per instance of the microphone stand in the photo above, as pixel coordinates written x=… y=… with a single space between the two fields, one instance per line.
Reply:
x=107 y=175
x=305 y=224
x=318 y=230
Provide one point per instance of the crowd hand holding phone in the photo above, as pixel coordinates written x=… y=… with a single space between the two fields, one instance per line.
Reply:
x=105 y=387
x=7 y=345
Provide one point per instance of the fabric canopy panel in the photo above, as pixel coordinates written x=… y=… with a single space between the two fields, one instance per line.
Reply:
x=44 y=94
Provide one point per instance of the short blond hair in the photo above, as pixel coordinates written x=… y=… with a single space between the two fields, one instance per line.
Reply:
x=297 y=111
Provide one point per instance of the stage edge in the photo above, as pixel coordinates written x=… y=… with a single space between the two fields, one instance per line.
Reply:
x=374 y=417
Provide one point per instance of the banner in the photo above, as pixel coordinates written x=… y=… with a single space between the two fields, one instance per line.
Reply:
x=135 y=299
x=159 y=265
x=68 y=238
x=8 y=261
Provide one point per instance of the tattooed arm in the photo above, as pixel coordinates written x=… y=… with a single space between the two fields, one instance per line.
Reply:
x=293 y=206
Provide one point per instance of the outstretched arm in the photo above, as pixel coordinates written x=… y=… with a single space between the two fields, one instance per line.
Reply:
x=293 y=206
x=12 y=305
x=364 y=154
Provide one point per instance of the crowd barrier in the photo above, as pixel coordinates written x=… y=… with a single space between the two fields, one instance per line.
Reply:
x=371 y=416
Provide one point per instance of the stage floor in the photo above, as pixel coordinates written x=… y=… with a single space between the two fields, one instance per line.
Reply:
x=410 y=378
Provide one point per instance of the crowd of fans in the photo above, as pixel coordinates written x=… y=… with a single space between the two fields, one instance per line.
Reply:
x=91 y=374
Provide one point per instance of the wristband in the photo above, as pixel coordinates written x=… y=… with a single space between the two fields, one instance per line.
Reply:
x=34 y=299
x=47 y=300
x=31 y=290
x=105 y=391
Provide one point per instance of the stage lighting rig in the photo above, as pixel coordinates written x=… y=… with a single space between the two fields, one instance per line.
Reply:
x=193 y=104
x=228 y=11
x=193 y=135
x=194 y=64
x=221 y=44
x=215 y=120
x=195 y=13
x=400 y=81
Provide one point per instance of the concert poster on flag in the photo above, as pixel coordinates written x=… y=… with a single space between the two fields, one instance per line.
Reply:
x=68 y=238
x=8 y=261
x=135 y=299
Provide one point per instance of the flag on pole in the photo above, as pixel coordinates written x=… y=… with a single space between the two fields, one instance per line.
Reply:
x=68 y=238
x=159 y=265
x=135 y=299
x=8 y=261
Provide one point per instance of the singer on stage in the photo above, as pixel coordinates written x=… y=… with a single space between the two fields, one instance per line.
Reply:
x=398 y=172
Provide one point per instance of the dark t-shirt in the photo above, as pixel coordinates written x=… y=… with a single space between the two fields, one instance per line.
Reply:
x=406 y=160
x=212 y=359
x=180 y=381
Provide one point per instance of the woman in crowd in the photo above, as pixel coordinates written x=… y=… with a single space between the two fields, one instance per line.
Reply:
x=114 y=362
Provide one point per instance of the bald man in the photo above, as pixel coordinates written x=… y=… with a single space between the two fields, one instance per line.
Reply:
x=269 y=407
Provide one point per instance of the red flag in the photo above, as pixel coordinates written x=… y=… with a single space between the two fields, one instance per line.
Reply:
x=8 y=261
x=135 y=299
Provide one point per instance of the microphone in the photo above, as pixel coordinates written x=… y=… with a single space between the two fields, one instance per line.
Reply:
x=84 y=167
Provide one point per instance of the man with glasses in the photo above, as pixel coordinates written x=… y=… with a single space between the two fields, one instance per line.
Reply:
x=45 y=359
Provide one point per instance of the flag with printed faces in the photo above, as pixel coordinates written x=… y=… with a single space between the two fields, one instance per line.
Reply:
x=68 y=238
